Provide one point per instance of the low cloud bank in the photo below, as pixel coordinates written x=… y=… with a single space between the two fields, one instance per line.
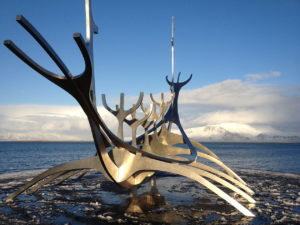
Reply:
x=268 y=109
x=47 y=122
x=242 y=107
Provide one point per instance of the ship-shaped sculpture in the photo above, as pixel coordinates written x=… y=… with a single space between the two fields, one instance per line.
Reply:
x=130 y=163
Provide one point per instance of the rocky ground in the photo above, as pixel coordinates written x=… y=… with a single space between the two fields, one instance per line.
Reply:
x=177 y=200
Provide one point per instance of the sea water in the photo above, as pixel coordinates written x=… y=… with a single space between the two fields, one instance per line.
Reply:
x=281 y=157
x=24 y=156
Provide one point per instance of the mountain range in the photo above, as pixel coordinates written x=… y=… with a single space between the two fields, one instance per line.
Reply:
x=236 y=132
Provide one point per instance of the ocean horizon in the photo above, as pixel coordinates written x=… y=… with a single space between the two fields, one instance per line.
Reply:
x=35 y=155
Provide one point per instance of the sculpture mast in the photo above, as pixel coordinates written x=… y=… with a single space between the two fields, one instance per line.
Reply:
x=91 y=28
x=172 y=42
x=172 y=49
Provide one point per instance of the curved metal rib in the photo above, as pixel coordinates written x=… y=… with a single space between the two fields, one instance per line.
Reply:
x=137 y=123
x=163 y=105
x=221 y=174
x=172 y=115
x=85 y=54
x=48 y=180
x=224 y=183
x=170 y=139
x=44 y=44
x=136 y=105
x=181 y=84
x=152 y=165
x=39 y=38
x=67 y=176
x=166 y=150
x=121 y=108
x=121 y=113
x=88 y=163
x=104 y=103
x=55 y=78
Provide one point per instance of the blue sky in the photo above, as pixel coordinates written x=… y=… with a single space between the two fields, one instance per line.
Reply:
x=254 y=42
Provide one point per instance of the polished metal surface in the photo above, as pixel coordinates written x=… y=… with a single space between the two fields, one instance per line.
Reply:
x=129 y=163
x=172 y=48
x=91 y=28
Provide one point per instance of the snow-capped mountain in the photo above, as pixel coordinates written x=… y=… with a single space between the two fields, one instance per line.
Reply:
x=234 y=132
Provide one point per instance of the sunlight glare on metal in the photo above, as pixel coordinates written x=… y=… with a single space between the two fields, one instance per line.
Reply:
x=87 y=19
x=172 y=42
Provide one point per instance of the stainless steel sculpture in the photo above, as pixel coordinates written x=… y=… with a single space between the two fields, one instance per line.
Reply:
x=129 y=163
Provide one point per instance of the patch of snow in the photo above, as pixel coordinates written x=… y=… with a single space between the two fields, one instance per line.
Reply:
x=234 y=132
x=24 y=174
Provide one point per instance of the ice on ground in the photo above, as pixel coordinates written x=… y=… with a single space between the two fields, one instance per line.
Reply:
x=178 y=200
x=17 y=175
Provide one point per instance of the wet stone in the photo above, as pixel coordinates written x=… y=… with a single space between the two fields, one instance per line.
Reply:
x=94 y=200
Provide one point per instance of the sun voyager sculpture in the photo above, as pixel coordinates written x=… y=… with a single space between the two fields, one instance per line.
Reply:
x=130 y=163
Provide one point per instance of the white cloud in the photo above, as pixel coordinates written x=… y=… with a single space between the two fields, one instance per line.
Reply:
x=260 y=76
x=231 y=93
x=237 y=106
x=47 y=122
x=267 y=108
